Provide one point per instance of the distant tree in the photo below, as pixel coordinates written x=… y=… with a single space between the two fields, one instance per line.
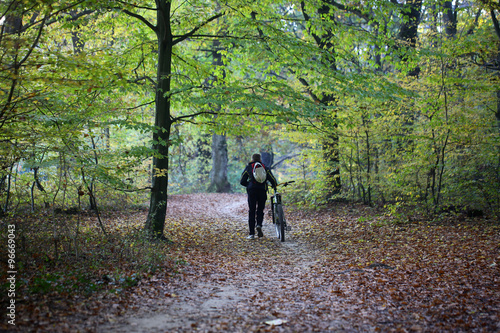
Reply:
x=218 y=174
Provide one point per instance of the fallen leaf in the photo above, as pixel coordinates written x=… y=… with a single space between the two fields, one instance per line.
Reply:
x=276 y=322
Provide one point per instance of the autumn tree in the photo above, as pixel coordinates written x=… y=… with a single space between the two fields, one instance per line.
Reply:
x=22 y=93
x=163 y=27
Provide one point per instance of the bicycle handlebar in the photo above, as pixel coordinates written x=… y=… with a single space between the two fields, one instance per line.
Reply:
x=285 y=184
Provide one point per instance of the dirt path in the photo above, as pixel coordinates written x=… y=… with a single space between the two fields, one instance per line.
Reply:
x=342 y=269
x=237 y=285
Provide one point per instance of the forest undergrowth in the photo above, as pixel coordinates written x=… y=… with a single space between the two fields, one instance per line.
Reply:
x=343 y=268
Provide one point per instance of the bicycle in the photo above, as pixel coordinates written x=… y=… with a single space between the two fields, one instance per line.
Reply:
x=277 y=214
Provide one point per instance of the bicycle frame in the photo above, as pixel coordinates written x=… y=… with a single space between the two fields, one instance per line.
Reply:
x=277 y=214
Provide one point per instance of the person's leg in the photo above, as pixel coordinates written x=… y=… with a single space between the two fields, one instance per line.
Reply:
x=261 y=203
x=252 y=205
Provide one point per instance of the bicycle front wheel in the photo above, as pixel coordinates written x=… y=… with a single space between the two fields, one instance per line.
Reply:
x=280 y=222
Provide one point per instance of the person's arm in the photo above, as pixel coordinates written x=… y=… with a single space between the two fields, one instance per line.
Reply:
x=271 y=179
x=244 y=178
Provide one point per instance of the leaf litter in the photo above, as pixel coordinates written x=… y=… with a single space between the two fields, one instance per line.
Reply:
x=342 y=268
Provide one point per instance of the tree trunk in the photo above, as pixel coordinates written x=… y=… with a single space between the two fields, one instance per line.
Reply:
x=497 y=114
x=331 y=139
x=450 y=19
x=408 y=32
x=331 y=157
x=496 y=26
x=158 y=202
x=218 y=175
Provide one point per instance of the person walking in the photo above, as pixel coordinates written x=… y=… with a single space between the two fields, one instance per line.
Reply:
x=255 y=178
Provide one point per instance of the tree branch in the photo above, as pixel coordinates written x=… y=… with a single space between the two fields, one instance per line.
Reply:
x=80 y=14
x=198 y=27
x=474 y=25
x=221 y=114
x=33 y=45
x=140 y=106
x=193 y=115
x=141 y=18
x=351 y=9
x=209 y=36
x=309 y=91
x=143 y=78
x=47 y=22
x=283 y=159
x=136 y=6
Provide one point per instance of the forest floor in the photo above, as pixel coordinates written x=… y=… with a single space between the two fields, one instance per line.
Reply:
x=345 y=268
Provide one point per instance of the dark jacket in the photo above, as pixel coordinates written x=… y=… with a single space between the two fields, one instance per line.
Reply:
x=249 y=181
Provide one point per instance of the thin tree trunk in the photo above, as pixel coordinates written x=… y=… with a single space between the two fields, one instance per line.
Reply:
x=218 y=175
x=496 y=26
x=368 y=163
x=331 y=140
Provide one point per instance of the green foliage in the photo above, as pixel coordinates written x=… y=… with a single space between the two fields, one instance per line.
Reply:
x=327 y=88
x=426 y=142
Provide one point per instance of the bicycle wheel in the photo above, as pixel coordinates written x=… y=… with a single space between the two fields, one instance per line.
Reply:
x=276 y=221
x=280 y=223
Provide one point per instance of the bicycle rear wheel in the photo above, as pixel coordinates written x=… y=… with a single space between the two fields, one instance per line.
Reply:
x=276 y=221
x=280 y=222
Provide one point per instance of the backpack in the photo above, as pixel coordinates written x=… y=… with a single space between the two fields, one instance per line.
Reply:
x=259 y=172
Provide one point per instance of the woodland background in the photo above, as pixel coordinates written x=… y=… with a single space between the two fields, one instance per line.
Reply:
x=106 y=105
x=388 y=102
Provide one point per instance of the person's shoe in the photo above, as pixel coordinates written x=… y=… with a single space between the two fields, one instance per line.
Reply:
x=259 y=231
x=251 y=237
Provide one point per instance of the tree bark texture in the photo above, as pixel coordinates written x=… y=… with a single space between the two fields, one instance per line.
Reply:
x=496 y=26
x=450 y=19
x=158 y=202
x=408 y=32
x=218 y=175
x=331 y=139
